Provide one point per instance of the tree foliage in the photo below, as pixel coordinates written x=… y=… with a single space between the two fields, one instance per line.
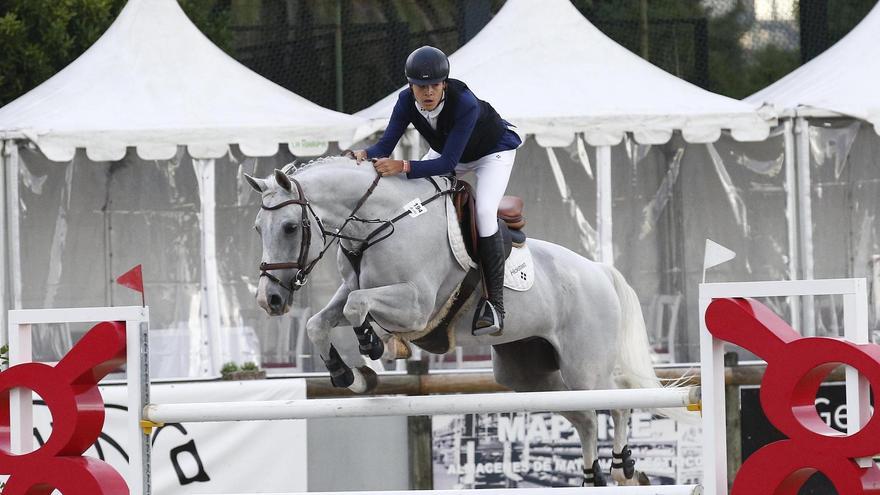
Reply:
x=41 y=37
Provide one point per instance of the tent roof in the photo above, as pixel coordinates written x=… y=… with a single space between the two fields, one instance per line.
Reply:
x=549 y=71
x=843 y=79
x=154 y=81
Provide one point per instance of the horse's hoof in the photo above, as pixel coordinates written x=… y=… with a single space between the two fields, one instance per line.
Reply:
x=639 y=479
x=396 y=348
x=365 y=380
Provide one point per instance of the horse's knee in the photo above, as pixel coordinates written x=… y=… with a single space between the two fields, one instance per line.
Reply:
x=317 y=330
x=356 y=309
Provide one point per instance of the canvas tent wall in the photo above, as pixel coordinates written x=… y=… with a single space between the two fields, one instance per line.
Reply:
x=613 y=137
x=133 y=154
x=832 y=111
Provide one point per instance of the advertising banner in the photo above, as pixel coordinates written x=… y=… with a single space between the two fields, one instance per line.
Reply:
x=194 y=458
x=543 y=450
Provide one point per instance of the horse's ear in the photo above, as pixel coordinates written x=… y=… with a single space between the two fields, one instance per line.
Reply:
x=259 y=185
x=283 y=180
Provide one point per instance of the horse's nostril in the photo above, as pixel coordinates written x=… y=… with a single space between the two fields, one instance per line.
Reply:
x=275 y=301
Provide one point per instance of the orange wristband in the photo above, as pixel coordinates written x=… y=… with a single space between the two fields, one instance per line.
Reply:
x=406 y=166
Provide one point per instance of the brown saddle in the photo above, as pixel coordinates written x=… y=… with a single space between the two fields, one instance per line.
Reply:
x=510 y=212
x=441 y=338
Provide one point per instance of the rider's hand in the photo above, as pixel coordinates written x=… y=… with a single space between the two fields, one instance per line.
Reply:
x=359 y=155
x=387 y=166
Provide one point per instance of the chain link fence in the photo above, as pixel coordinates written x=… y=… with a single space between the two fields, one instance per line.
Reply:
x=346 y=55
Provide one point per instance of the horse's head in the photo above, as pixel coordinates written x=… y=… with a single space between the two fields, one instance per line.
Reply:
x=291 y=238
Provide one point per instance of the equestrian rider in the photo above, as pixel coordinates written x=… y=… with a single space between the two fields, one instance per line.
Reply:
x=466 y=135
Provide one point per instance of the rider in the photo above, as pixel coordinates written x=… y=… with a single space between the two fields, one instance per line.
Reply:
x=466 y=135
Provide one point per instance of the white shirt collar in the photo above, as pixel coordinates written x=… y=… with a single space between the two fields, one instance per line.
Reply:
x=431 y=114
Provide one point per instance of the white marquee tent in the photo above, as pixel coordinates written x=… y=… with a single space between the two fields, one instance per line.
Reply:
x=153 y=81
x=830 y=106
x=840 y=81
x=154 y=124
x=549 y=71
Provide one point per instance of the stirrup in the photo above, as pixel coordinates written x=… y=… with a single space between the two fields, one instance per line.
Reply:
x=485 y=314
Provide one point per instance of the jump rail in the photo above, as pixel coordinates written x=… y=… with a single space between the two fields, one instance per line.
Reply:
x=423 y=406
x=143 y=415
x=625 y=490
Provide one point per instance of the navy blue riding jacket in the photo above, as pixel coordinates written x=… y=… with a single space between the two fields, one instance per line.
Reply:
x=467 y=129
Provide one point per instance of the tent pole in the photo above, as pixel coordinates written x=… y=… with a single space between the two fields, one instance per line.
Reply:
x=791 y=217
x=5 y=152
x=603 y=198
x=204 y=169
x=802 y=131
x=13 y=229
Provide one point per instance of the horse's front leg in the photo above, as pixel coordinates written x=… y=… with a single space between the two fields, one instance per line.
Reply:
x=397 y=307
x=319 y=327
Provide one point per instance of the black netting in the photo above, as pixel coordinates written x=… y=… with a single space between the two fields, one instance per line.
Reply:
x=346 y=54
x=727 y=46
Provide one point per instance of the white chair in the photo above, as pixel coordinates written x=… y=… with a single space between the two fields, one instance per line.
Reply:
x=662 y=323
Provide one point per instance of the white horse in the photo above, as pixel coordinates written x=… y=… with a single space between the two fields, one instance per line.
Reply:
x=579 y=327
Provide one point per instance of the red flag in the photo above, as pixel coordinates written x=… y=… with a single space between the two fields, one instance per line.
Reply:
x=133 y=279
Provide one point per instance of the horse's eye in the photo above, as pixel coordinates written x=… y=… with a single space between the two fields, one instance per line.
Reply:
x=289 y=228
x=257 y=228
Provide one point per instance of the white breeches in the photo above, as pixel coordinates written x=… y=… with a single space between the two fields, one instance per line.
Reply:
x=492 y=172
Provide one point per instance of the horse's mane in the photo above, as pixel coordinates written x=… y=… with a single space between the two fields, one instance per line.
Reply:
x=292 y=169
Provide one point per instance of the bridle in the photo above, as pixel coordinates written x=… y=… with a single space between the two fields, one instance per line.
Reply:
x=303 y=266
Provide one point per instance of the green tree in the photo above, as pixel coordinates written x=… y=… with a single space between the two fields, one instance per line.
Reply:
x=41 y=37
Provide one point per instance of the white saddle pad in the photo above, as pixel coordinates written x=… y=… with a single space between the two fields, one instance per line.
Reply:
x=519 y=269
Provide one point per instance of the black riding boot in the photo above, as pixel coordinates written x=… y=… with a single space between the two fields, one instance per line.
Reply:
x=489 y=318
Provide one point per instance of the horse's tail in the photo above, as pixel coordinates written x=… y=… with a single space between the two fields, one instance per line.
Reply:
x=635 y=368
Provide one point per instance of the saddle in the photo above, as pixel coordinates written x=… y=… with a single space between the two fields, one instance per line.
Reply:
x=440 y=338
x=510 y=219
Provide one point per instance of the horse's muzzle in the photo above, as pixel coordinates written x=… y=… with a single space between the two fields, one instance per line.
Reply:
x=271 y=297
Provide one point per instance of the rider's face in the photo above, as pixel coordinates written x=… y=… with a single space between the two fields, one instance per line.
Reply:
x=428 y=95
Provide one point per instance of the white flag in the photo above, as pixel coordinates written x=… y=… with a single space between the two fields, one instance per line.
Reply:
x=716 y=254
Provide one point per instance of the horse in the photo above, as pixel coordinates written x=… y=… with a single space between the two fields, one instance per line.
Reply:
x=579 y=327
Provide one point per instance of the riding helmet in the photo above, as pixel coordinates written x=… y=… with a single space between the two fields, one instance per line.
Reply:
x=427 y=65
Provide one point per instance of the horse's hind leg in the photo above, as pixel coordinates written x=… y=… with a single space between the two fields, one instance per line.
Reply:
x=532 y=367
x=595 y=372
x=623 y=469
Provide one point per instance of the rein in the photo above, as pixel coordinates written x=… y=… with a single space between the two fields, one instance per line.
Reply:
x=302 y=265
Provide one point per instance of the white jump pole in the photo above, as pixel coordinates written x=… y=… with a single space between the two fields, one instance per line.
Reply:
x=423 y=406
x=623 y=490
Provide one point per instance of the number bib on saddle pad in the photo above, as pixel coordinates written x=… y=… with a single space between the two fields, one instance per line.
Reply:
x=519 y=269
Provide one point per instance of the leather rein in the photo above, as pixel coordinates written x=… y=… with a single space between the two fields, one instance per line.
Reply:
x=303 y=266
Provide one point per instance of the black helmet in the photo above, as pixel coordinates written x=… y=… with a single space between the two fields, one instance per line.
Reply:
x=427 y=65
